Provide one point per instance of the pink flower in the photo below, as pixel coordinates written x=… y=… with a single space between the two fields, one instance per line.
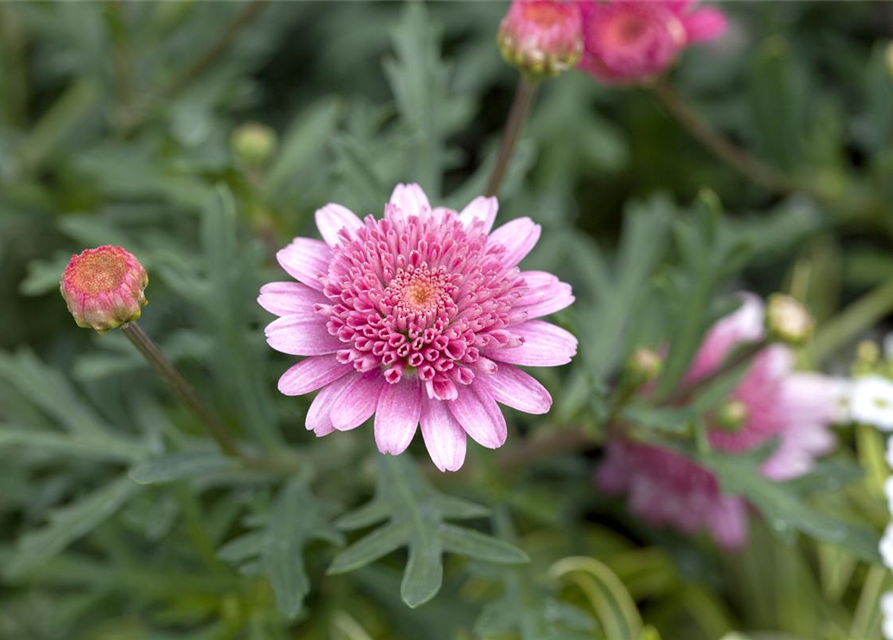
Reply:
x=632 y=41
x=419 y=318
x=771 y=402
x=541 y=36
x=104 y=287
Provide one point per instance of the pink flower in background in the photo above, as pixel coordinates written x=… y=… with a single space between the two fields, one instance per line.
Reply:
x=541 y=36
x=771 y=402
x=419 y=318
x=632 y=41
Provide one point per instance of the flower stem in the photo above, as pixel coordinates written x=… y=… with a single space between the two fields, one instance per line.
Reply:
x=179 y=385
x=855 y=319
x=513 y=125
x=730 y=153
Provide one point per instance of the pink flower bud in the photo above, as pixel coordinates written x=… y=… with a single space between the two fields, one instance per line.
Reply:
x=541 y=37
x=633 y=41
x=103 y=288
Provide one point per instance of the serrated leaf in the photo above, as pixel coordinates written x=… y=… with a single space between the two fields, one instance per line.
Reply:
x=276 y=547
x=180 y=466
x=417 y=513
x=70 y=523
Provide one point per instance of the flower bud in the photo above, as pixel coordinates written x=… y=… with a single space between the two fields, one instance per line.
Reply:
x=732 y=416
x=254 y=143
x=787 y=320
x=541 y=37
x=104 y=287
x=644 y=365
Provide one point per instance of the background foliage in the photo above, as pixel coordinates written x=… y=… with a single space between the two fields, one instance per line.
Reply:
x=120 y=520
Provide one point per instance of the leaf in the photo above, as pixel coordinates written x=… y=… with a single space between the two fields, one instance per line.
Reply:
x=48 y=389
x=784 y=510
x=528 y=608
x=277 y=544
x=666 y=419
x=105 y=447
x=416 y=513
x=179 y=466
x=428 y=108
x=612 y=603
x=70 y=523
x=303 y=143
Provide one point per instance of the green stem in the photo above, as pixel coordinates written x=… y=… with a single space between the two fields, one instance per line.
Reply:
x=852 y=321
x=723 y=148
x=179 y=385
x=513 y=125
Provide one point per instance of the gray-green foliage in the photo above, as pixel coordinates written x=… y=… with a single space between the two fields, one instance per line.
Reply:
x=120 y=517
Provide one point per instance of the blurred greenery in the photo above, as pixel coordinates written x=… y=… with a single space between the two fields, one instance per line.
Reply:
x=120 y=520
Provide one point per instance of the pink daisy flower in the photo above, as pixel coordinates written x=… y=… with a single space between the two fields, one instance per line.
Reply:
x=772 y=401
x=632 y=41
x=419 y=318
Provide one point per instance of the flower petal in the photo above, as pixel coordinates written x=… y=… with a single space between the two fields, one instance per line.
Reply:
x=410 y=199
x=287 y=298
x=397 y=416
x=743 y=325
x=444 y=436
x=311 y=374
x=483 y=209
x=545 y=294
x=332 y=218
x=545 y=345
x=518 y=236
x=305 y=260
x=479 y=415
x=358 y=401
x=299 y=335
x=705 y=24
x=318 y=419
x=516 y=389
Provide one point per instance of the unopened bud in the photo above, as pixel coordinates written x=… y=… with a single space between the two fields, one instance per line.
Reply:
x=254 y=143
x=732 y=416
x=787 y=320
x=644 y=365
x=541 y=37
x=104 y=287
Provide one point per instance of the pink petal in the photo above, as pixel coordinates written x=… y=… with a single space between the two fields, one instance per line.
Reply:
x=332 y=218
x=287 y=298
x=410 y=199
x=318 y=419
x=516 y=389
x=743 y=325
x=479 y=415
x=518 y=236
x=397 y=416
x=727 y=521
x=358 y=401
x=305 y=260
x=545 y=294
x=311 y=374
x=705 y=24
x=545 y=345
x=444 y=436
x=300 y=335
x=483 y=209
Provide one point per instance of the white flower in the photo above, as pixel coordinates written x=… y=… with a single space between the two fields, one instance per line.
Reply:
x=871 y=402
x=887 y=611
x=886 y=546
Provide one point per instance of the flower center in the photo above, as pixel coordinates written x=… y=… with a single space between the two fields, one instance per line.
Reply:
x=627 y=29
x=98 y=272
x=419 y=291
x=544 y=14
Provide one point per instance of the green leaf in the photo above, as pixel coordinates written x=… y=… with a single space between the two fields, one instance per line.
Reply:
x=179 y=466
x=277 y=545
x=70 y=523
x=784 y=510
x=114 y=448
x=666 y=419
x=416 y=512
